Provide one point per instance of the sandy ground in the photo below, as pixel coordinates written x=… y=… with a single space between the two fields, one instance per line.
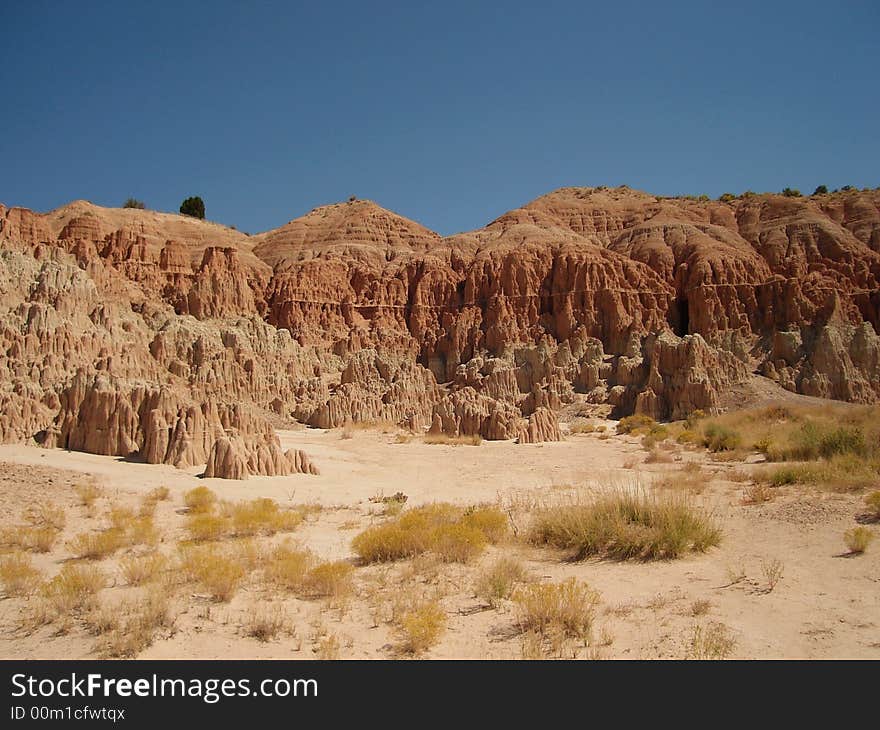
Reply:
x=825 y=605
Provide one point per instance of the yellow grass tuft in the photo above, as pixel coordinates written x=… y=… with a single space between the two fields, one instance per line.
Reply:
x=288 y=566
x=200 y=499
x=34 y=539
x=872 y=501
x=329 y=579
x=711 y=641
x=262 y=516
x=204 y=526
x=96 y=545
x=857 y=539
x=497 y=582
x=87 y=494
x=135 y=631
x=47 y=515
x=447 y=440
x=421 y=627
x=74 y=588
x=491 y=521
x=627 y=524
x=217 y=571
x=458 y=542
x=18 y=575
x=636 y=425
x=565 y=609
x=264 y=622
x=159 y=494
x=140 y=569
x=452 y=533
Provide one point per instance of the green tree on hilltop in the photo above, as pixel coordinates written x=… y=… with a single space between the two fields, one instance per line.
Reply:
x=194 y=207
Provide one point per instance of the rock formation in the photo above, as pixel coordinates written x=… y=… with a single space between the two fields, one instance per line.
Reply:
x=179 y=341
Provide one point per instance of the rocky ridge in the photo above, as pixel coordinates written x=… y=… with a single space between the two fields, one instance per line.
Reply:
x=173 y=340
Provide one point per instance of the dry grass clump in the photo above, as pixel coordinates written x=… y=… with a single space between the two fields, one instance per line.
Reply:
x=33 y=539
x=87 y=494
x=655 y=456
x=689 y=480
x=265 y=622
x=700 y=607
x=140 y=569
x=136 y=529
x=421 y=627
x=332 y=579
x=497 y=582
x=717 y=437
x=457 y=542
x=135 y=629
x=45 y=514
x=206 y=526
x=96 y=545
x=556 y=611
x=73 y=589
x=151 y=499
x=262 y=516
x=491 y=521
x=773 y=570
x=287 y=567
x=842 y=473
x=159 y=494
x=687 y=436
x=757 y=494
x=247 y=552
x=452 y=533
x=711 y=641
x=581 y=427
x=636 y=425
x=125 y=529
x=872 y=501
x=217 y=571
x=200 y=499
x=627 y=524
x=447 y=440
x=857 y=539
x=259 y=516
x=44 y=523
x=18 y=575
x=788 y=433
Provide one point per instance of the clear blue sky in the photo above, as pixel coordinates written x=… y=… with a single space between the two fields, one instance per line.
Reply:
x=447 y=112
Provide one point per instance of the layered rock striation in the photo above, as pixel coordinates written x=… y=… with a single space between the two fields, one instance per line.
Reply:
x=178 y=341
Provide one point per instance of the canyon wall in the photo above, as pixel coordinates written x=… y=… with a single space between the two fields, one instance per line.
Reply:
x=173 y=340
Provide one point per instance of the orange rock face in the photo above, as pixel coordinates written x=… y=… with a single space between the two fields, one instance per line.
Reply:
x=131 y=332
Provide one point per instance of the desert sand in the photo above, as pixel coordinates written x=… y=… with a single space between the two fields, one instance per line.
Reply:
x=824 y=604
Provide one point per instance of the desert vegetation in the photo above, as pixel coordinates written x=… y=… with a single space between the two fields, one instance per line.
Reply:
x=834 y=447
x=627 y=524
x=452 y=533
x=553 y=570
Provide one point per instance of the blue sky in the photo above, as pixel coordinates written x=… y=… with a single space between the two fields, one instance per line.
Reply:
x=447 y=112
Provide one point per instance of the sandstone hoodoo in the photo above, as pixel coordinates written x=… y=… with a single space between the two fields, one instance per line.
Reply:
x=175 y=340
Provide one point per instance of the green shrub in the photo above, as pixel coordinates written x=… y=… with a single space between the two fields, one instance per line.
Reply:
x=134 y=203
x=726 y=197
x=791 y=193
x=821 y=190
x=194 y=207
x=720 y=438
